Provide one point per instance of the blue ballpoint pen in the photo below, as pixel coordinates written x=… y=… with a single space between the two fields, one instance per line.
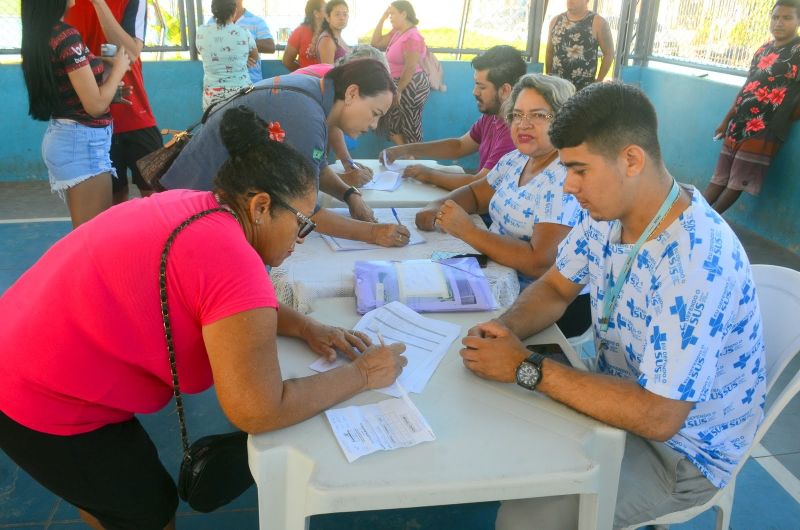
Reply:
x=397 y=217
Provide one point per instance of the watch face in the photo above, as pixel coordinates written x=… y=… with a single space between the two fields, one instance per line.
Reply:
x=527 y=375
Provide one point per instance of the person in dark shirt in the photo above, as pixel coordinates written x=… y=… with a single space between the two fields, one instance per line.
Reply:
x=572 y=44
x=66 y=87
x=759 y=119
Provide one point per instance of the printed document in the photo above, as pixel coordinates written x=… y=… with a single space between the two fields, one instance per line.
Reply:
x=390 y=424
x=427 y=341
x=384 y=216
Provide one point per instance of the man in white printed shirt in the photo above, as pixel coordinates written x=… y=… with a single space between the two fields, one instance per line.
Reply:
x=680 y=362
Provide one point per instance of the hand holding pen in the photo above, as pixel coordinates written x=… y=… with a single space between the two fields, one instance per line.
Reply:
x=382 y=365
x=398 y=386
x=392 y=235
x=355 y=174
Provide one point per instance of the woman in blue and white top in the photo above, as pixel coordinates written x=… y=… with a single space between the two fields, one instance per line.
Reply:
x=523 y=194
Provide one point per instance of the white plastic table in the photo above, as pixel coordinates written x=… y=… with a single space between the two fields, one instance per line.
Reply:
x=411 y=193
x=494 y=442
x=315 y=271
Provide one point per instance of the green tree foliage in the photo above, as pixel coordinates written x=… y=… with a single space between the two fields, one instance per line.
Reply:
x=171 y=24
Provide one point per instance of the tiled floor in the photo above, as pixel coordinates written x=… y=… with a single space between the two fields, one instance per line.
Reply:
x=767 y=492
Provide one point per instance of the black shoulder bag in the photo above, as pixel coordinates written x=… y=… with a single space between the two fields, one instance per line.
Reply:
x=214 y=470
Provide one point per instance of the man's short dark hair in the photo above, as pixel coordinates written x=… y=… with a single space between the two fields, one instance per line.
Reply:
x=788 y=3
x=607 y=117
x=504 y=64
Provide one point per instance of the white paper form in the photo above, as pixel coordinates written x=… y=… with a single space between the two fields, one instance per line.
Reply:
x=384 y=181
x=391 y=166
x=427 y=341
x=390 y=424
x=384 y=216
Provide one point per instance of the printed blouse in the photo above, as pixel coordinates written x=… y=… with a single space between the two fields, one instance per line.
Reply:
x=574 y=50
x=768 y=97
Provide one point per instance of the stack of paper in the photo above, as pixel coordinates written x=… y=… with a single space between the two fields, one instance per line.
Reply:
x=384 y=181
x=383 y=426
x=427 y=341
x=384 y=216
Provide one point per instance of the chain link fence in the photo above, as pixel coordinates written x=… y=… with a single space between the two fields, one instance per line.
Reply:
x=722 y=33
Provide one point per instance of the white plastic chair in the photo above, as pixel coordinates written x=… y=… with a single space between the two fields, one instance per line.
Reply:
x=778 y=290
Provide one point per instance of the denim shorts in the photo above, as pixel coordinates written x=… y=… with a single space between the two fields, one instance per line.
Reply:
x=73 y=153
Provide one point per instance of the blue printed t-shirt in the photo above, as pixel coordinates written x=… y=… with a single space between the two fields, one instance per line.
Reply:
x=301 y=115
x=516 y=209
x=259 y=30
x=686 y=326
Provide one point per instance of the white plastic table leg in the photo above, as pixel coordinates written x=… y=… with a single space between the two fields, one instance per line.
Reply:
x=282 y=490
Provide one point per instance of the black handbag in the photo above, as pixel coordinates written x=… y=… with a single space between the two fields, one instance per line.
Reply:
x=214 y=469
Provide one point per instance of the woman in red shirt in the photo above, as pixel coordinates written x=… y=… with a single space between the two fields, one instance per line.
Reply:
x=300 y=51
x=74 y=377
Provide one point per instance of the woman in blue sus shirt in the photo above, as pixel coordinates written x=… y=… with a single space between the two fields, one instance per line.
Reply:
x=523 y=194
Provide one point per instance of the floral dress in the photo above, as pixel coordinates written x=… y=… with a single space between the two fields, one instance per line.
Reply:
x=574 y=50
x=770 y=93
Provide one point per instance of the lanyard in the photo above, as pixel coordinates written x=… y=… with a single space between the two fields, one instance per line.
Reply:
x=612 y=294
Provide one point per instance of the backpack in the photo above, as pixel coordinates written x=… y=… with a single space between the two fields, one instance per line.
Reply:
x=433 y=68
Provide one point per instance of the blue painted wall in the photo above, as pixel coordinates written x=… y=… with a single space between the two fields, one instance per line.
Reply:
x=689 y=109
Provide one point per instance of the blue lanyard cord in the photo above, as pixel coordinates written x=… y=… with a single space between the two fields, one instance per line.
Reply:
x=612 y=293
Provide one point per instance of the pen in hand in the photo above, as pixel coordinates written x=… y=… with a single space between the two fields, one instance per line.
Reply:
x=400 y=388
x=397 y=217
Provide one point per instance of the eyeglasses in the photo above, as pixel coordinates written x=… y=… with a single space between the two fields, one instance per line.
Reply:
x=518 y=117
x=306 y=225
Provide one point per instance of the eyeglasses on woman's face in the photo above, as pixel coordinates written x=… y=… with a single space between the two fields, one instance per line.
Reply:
x=532 y=118
x=305 y=225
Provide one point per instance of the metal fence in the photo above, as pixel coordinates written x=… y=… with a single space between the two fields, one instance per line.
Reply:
x=448 y=25
x=715 y=34
x=711 y=32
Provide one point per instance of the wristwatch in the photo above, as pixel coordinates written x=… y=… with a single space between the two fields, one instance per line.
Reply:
x=529 y=371
x=351 y=190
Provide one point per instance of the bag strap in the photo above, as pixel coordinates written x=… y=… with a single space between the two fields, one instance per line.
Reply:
x=218 y=105
x=176 y=391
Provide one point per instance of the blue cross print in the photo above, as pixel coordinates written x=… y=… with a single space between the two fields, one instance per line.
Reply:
x=657 y=338
x=713 y=267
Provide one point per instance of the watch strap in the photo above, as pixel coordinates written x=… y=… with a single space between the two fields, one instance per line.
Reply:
x=351 y=190
x=536 y=358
